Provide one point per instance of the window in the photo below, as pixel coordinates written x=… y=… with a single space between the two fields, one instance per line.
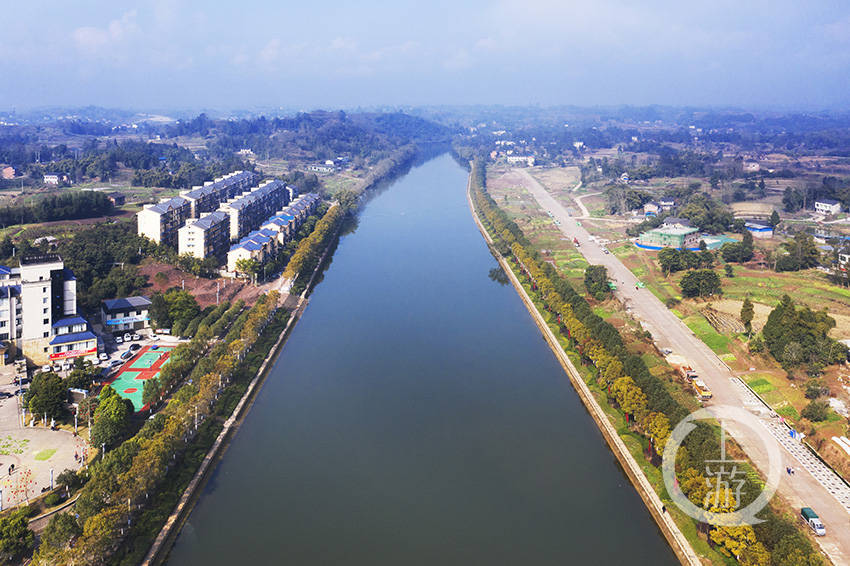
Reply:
x=44 y=310
x=44 y=289
x=2 y=324
x=44 y=301
x=45 y=321
x=138 y=313
x=46 y=335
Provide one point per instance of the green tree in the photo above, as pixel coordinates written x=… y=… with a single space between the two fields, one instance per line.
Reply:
x=248 y=266
x=159 y=311
x=111 y=418
x=747 y=313
x=816 y=411
x=727 y=269
x=700 y=283
x=596 y=282
x=47 y=395
x=151 y=391
x=669 y=260
x=347 y=199
x=774 y=219
x=15 y=536
x=60 y=530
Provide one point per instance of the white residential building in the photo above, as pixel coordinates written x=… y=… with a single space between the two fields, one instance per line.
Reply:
x=207 y=236
x=160 y=221
x=827 y=206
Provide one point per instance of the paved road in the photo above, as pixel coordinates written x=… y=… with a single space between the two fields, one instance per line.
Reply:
x=813 y=485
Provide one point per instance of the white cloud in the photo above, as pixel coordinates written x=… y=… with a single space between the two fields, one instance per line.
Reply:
x=89 y=38
x=270 y=52
x=458 y=61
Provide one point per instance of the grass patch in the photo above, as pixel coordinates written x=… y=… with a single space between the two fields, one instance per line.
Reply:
x=705 y=332
x=788 y=412
x=760 y=386
x=45 y=454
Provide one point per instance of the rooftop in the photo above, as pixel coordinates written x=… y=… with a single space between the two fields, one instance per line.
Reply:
x=208 y=221
x=70 y=321
x=126 y=303
x=219 y=184
x=167 y=205
x=829 y=201
x=673 y=230
x=43 y=258
x=72 y=337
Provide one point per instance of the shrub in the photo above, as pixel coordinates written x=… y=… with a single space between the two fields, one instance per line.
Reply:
x=816 y=411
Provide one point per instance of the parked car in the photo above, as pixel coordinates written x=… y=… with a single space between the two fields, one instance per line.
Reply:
x=119 y=340
x=128 y=337
x=127 y=355
x=57 y=367
x=116 y=363
x=137 y=337
x=135 y=347
x=67 y=366
x=45 y=368
x=103 y=356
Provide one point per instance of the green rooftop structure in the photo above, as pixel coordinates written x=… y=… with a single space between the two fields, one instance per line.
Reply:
x=667 y=236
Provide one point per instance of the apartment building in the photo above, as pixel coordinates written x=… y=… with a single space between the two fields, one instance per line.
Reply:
x=208 y=197
x=208 y=236
x=302 y=206
x=38 y=310
x=274 y=233
x=161 y=221
x=249 y=210
x=258 y=245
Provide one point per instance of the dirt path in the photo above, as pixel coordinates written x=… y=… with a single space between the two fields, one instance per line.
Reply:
x=804 y=489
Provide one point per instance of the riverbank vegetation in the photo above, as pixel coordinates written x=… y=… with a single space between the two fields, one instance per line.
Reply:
x=310 y=249
x=641 y=396
x=126 y=479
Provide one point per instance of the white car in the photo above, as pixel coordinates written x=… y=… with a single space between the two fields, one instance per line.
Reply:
x=119 y=340
x=154 y=337
x=103 y=356
x=46 y=368
x=57 y=367
x=67 y=366
x=127 y=337
x=136 y=337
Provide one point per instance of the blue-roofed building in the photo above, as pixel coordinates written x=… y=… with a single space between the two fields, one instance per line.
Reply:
x=759 y=229
x=70 y=345
x=128 y=313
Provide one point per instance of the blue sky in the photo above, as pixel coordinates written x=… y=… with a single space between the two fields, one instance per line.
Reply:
x=196 y=54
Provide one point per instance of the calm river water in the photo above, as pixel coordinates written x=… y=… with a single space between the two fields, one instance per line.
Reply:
x=416 y=416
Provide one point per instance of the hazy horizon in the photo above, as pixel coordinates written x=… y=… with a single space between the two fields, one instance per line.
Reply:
x=173 y=54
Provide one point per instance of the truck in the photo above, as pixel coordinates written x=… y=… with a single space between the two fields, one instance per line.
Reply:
x=811 y=518
x=702 y=390
x=688 y=373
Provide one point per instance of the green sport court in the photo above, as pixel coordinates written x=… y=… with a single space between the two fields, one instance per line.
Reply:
x=130 y=380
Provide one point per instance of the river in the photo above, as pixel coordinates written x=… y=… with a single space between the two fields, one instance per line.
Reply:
x=416 y=416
